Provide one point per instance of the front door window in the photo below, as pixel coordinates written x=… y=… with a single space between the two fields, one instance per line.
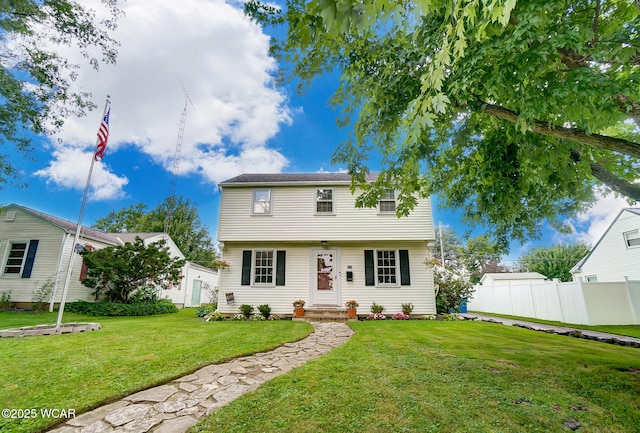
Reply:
x=324 y=271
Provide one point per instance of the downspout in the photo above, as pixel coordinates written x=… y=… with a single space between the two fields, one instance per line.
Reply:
x=187 y=267
x=65 y=237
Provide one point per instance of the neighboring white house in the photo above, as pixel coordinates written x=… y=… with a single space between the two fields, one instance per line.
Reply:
x=35 y=249
x=510 y=277
x=300 y=236
x=616 y=256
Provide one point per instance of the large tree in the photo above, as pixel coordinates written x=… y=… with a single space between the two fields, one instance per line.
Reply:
x=186 y=228
x=555 y=261
x=513 y=111
x=36 y=93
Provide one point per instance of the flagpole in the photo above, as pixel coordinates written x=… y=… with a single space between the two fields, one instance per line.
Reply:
x=72 y=256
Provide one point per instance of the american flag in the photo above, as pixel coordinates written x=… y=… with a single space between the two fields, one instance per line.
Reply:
x=103 y=136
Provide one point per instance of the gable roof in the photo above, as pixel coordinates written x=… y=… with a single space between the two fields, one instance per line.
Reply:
x=578 y=266
x=247 y=179
x=85 y=232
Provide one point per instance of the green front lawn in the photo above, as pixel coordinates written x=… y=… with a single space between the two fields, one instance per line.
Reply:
x=428 y=376
x=82 y=371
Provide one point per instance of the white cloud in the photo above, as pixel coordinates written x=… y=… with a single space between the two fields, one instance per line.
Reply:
x=64 y=171
x=591 y=225
x=222 y=59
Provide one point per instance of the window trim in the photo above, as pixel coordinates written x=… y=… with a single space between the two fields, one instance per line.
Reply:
x=255 y=202
x=273 y=267
x=386 y=199
x=396 y=268
x=636 y=238
x=316 y=200
x=7 y=254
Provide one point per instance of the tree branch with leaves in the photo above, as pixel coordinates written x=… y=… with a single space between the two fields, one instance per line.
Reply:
x=482 y=103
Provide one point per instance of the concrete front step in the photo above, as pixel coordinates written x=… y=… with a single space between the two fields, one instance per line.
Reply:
x=315 y=314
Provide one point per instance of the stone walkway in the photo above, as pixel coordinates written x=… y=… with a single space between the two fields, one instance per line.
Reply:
x=602 y=337
x=177 y=405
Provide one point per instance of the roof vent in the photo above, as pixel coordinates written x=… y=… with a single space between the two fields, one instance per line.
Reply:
x=10 y=215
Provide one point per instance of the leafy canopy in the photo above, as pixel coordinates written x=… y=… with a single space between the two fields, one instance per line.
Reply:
x=116 y=273
x=188 y=232
x=555 y=261
x=36 y=94
x=512 y=111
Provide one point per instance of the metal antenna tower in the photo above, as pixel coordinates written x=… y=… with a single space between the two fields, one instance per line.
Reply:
x=176 y=158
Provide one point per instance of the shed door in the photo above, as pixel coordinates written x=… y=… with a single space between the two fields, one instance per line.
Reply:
x=196 y=293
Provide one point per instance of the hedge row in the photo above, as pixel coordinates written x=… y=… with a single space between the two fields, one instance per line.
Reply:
x=117 y=309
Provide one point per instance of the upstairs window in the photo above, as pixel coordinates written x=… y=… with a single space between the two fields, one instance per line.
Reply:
x=262 y=201
x=632 y=238
x=388 y=201
x=324 y=200
x=16 y=258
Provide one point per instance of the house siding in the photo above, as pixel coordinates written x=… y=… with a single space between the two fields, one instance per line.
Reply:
x=27 y=227
x=298 y=279
x=611 y=259
x=293 y=218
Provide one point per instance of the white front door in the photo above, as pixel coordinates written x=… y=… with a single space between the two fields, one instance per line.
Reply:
x=324 y=277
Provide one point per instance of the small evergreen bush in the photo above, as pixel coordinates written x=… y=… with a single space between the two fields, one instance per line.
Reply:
x=246 y=310
x=265 y=310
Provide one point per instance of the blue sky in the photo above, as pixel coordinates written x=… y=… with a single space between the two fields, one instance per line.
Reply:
x=240 y=121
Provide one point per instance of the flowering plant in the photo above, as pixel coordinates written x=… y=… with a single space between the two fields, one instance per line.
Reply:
x=351 y=305
x=298 y=304
x=220 y=264
x=376 y=316
x=400 y=316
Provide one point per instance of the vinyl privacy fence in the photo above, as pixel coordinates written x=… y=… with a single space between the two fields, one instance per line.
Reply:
x=606 y=303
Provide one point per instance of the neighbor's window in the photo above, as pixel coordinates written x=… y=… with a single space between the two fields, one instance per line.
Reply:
x=386 y=267
x=632 y=238
x=388 y=201
x=324 y=200
x=591 y=278
x=16 y=258
x=262 y=201
x=263 y=267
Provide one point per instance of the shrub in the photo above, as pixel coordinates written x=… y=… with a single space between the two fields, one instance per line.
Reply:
x=41 y=296
x=407 y=308
x=5 y=300
x=214 y=317
x=265 y=310
x=376 y=308
x=246 y=310
x=205 y=309
x=117 y=309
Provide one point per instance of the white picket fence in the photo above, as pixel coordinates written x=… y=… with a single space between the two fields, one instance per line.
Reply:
x=613 y=303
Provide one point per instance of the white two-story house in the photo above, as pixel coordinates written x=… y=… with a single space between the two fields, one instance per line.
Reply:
x=300 y=236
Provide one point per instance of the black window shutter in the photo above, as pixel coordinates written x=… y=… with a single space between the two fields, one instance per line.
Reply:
x=281 y=263
x=405 y=275
x=31 y=256
x=246 y=268
x=369 y=271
